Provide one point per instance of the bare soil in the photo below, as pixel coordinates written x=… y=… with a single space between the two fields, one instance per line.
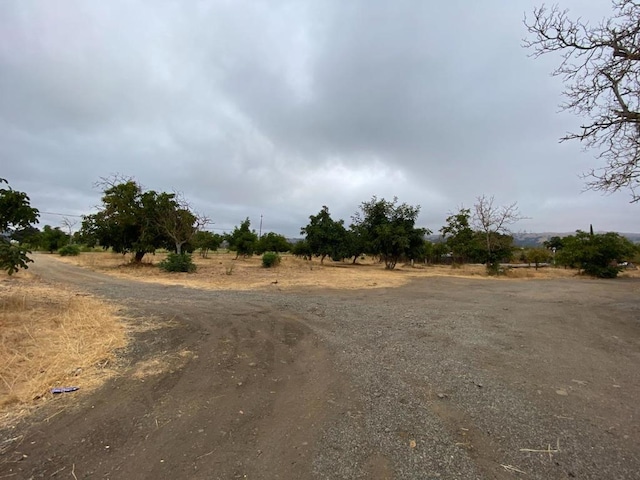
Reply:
x=441 y=377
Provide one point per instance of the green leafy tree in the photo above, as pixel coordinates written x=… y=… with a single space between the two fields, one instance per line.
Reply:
x=354 y=245
x=175 y=219
x=302 y=249
x=132 y=220
x=325 y=236
x=598 y=255
x=537 y=256
x=389 y=230
x=16 y=213
x=459 y=236
x=206 y=241
x=553 y=243
x=51 y=239
x=501 y=249
x=437 y=252
x=243 y=240
x=126 y=222
x=27 y=236
x=272 y=242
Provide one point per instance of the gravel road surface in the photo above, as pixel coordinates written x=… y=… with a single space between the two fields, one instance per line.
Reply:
x=445 y=378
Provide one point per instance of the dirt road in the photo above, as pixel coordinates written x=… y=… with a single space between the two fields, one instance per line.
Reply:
x=444 y=378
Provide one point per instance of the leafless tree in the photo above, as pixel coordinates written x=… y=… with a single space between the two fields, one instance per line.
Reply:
x=601 y=70
x=494 y=220
x=69 y=224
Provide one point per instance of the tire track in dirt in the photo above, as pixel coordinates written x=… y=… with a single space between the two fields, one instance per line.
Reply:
x=442 y=378
x=243 y=393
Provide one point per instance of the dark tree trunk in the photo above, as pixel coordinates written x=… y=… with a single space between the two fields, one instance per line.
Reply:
x=138 y=257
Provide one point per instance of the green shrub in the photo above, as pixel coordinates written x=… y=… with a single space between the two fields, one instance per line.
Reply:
x=69 y=250
x=178 y=263
x=87 y=249
x=270 y=259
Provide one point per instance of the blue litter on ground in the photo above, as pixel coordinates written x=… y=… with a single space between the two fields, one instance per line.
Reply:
x=64 y=389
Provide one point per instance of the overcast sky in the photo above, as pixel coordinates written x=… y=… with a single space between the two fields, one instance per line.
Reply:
x=276 y=108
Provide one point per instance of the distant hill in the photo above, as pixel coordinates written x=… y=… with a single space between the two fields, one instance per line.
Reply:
x=532 y=239
x=536 y=239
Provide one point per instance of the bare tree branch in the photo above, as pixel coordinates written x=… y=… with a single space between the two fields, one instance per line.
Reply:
x=601 y=70
x=493 y=220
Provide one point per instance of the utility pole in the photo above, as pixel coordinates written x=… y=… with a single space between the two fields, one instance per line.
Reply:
x=260 y=232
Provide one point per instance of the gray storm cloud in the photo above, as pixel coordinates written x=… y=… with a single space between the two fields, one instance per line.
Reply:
x=278 y=108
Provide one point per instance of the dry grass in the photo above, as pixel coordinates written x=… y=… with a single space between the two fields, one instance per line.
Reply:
x=222 y=272
x=51 y=337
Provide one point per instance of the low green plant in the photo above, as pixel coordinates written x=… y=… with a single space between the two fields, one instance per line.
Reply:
x=69 y=251
x=270 y=259
x=87 y=249
x=178 y=262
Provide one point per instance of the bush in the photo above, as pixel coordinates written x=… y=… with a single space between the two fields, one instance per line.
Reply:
x=69 y=250
x=597 y=255
x=178 y=262
x=270 y=259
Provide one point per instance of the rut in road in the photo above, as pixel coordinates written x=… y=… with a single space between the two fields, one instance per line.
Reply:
x=244 y=389
x=442 y=378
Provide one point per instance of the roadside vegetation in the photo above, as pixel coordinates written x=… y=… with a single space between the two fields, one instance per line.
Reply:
x=51 y=338
x=137 y=223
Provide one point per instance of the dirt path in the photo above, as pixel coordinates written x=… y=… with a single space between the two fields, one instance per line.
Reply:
x=444 y=378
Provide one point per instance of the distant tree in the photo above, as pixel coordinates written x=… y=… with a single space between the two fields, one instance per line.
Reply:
x=325 y=236
x=51 y=239
x=68 y=224
x=127 y=220
x=459 y=235
x=493 y=221
x=501 y=250
x=27 y=236
x=600 y=65
x=597 y=255
x=568 y=255
x=302 y=249
x=553 y=243
x=175 y=219
x=355 y=244
x=537 y=256
x=243 y=240
x=389 y=230
x=206 y=241
x=132 y=220
x=272 y=242
x=16 y=213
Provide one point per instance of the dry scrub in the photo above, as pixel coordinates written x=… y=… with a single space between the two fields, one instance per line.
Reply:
x=221 y=271
x=52 y=337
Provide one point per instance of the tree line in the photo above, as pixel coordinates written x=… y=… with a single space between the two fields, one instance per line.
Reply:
x=132 y=220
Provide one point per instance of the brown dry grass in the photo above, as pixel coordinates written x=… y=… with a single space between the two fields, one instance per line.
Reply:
x=222 y=272
x=52 y=337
